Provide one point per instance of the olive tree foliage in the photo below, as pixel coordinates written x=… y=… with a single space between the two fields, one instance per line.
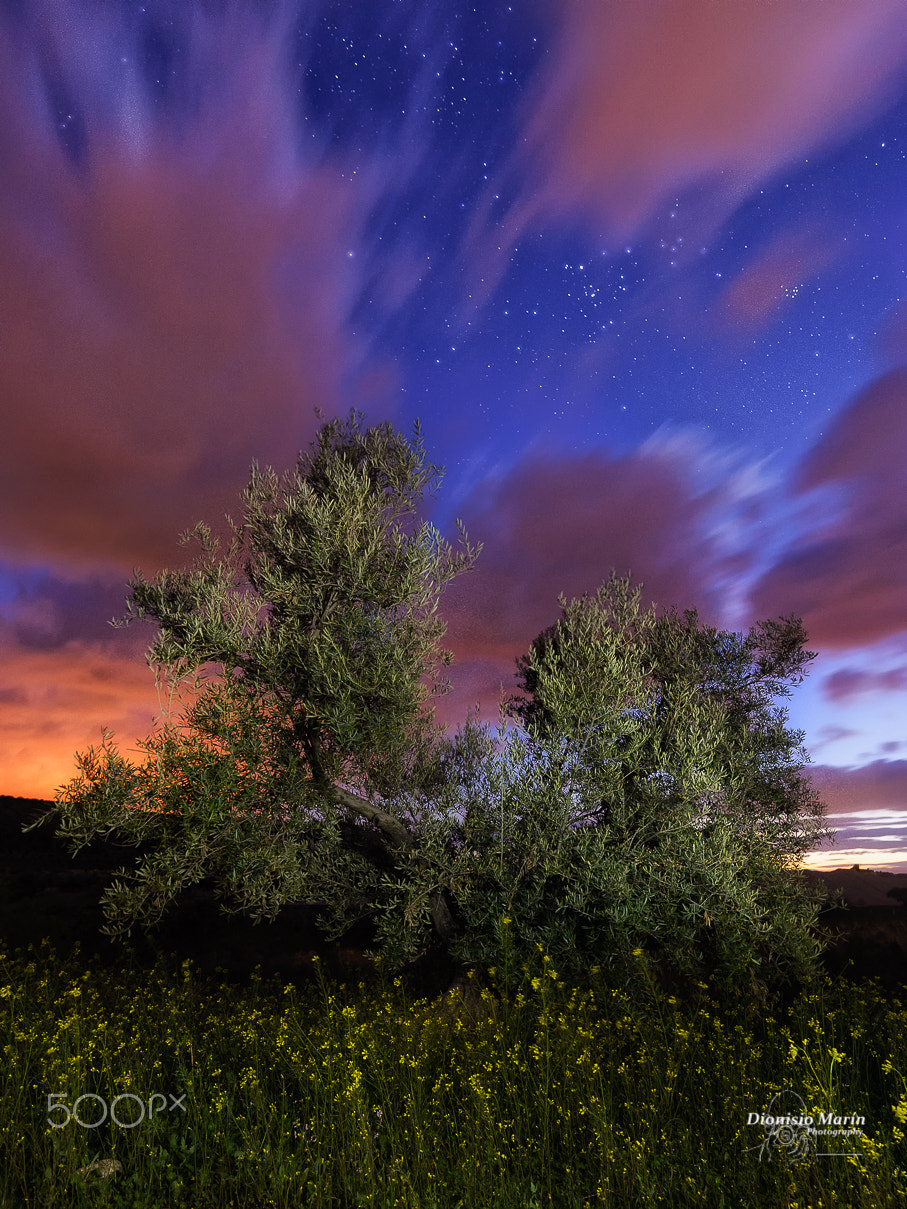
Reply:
x=651 y=808
x=694 y=814
x=300 y=651
x=739 y=675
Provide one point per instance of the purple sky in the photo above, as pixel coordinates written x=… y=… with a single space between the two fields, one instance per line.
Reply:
x=638 y=269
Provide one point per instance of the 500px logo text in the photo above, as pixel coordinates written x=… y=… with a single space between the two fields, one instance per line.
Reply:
x=73 y=1114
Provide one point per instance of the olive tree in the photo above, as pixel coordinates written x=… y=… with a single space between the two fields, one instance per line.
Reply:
x=651 y=805
x=649 y=817
x=297 y=652
x=689 y=813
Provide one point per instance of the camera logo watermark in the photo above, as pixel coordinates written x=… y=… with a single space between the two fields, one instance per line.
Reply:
x=73 y=1114
x=795 y=1133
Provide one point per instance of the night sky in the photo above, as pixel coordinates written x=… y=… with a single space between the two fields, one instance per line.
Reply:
x=638 y=268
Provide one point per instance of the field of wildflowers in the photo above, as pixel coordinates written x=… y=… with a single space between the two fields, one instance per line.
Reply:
x=124 y=1089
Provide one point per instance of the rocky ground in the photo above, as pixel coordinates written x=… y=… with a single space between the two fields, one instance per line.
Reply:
x=46 y=892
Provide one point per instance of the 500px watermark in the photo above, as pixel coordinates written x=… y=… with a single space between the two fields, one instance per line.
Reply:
x=73 y=1114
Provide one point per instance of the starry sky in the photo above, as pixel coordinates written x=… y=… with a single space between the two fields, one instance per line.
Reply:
x=637 y=268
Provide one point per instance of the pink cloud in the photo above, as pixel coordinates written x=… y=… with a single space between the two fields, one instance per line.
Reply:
x=174 y=309
x=876 y=786
x=558 y=525
x=849 y=581
x=772 y=279
x=848 y=683
x=866 y=809
x=645 y=102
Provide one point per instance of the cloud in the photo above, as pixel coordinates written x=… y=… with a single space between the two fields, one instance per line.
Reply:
x=831 y=734
x=54 y=703
x=880 y=785
x=558 y=524
x=550 y=525
x=848 y=581
x=849 y=683
x=45 y=612
x=177 y=282
x=866 y=809
x=772 y=279
x=648 y=103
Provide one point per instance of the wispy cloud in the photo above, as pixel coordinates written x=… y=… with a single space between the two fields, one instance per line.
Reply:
x=848 y=580
x=177 y=283
x=645 y=102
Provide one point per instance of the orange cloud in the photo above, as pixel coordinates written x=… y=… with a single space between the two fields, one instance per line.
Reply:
x=54 y=703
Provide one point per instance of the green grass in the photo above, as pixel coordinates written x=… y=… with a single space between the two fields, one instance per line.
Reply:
x=349 y=1095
